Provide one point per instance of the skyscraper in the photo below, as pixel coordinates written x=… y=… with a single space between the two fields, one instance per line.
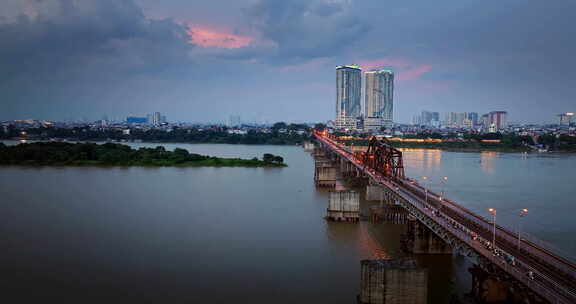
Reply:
x=348 y=90
x=156 y=118
x=497 y=121
x=379 y=97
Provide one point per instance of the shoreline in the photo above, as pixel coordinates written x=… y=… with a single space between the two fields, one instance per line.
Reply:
x=67 y=154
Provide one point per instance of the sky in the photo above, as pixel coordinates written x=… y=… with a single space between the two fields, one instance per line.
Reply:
x=274 y=60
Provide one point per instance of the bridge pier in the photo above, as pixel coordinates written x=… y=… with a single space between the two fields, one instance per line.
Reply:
x=374 y=193
x=309 y=146
x=325 y=172
x=392 y=282
x=388 y=213
x=344 y=206
x=497 y=287
x=421 y=240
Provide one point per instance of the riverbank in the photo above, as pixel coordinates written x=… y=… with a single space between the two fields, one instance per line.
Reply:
x=471 y=146
x=109 y=154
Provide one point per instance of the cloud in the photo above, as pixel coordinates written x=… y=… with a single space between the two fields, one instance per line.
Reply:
x=405 y=69
x=211 y=37
x=81 y=52
x=302 y=30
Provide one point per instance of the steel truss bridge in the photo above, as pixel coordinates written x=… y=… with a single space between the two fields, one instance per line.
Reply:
x=535 y=267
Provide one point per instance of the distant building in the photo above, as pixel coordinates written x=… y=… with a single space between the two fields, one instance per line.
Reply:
x=565 y=118
x=473 y=117
x=498 y=120
x=136 y=120
x=379 y=98
x=428 y=118
x=156 y=118
x=234 y=121
x=485 y=121
x=348 y=91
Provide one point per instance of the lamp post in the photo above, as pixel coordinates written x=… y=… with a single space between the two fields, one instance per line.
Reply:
x=522 y=213
x=425 y=178
x=493 y=212
x=443 y=182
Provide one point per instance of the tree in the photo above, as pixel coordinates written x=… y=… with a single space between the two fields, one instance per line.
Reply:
x=269 y=158
x=279 y=125
x=319 y=126
x=278 y=159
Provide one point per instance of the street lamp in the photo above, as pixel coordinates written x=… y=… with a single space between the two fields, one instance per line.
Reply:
x=522 y=213
x=425 y=178
x=493 y=212
x=443 y=182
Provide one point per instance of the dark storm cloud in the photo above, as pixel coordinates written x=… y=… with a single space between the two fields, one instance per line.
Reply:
x=64 y=58
x=306 y=29
x=67 y=54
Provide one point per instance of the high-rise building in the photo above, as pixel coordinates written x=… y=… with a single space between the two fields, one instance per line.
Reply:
x=497 y=120
x=427 y=118
x=156 y=118
x=379 y=97
x=348 y=90
x=485 y=121
x=473 y=117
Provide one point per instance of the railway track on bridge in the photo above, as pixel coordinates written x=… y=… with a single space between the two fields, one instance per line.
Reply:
x=554 y=273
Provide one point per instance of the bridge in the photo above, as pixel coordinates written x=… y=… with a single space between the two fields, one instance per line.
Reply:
x=527 y=263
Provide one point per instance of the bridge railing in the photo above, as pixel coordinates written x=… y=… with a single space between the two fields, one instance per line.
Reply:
x=541 y=283
x=543 y=250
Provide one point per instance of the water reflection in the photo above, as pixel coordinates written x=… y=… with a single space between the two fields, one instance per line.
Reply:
x=487 y=161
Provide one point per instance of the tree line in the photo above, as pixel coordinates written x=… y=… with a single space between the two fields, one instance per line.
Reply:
x=280 y=134
x=110 y=154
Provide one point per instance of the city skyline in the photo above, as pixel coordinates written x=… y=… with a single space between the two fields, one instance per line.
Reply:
x=273 y=61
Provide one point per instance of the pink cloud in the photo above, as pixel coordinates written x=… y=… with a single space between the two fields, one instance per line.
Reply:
x=211 y=37
x=405 y=69
x=414 y=73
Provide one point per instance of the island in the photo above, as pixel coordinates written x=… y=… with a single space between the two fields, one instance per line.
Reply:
x=111 y=154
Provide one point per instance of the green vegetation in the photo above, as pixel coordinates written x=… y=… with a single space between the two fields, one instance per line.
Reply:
x=280 y=134
x=90 y=154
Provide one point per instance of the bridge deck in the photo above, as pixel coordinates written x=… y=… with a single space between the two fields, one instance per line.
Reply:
x=554 y=277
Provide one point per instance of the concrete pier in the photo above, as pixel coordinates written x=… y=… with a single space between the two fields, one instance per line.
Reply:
x=422 y=240
x=344 y=206
x=393 y=282
x=388 y=213
x=325 y=173
x=309 y=146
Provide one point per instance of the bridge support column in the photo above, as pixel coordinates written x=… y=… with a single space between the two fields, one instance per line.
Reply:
x=344 y=206
x=325 y=171
x=388 y=213
x=392 y=282
x=377 y=193
x=309 y=146
x=420 y=240
x=495 y=286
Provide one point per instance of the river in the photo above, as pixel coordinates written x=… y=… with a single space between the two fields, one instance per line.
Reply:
x=255 y=235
